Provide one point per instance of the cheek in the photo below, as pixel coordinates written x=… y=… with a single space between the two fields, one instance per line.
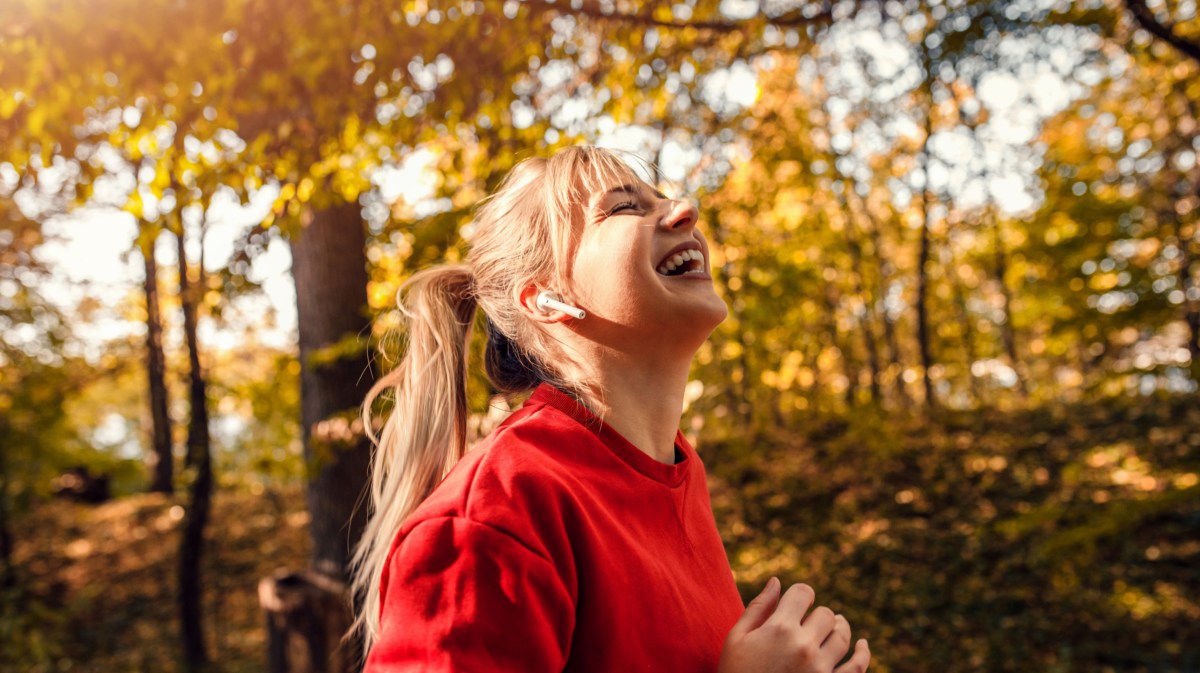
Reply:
x=589 y=274
x=602 y=266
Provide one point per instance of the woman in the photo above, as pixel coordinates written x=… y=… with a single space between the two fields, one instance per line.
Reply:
x=578 y=536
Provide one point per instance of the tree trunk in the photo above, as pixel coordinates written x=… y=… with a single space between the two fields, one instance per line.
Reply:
x=191 y=551
x=1007 y=330
x=885 y=269
x=8 y=573
x=191 y=548
x=856 y=261
x=160 y=419
x=923 y=255
x=329 y=267
x=923 y=301
x=968 y=334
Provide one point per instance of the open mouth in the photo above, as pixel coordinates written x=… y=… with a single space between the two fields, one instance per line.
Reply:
x=682 y=263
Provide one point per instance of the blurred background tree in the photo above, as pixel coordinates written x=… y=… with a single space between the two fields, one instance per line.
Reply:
x=958 y=240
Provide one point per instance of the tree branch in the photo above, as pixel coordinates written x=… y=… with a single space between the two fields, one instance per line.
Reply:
x=790 y=19
x=1164 y=31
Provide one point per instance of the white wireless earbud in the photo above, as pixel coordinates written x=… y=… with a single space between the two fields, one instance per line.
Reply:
x=548 y=301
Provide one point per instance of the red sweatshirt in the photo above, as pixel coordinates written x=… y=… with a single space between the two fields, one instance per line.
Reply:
x=559 y=546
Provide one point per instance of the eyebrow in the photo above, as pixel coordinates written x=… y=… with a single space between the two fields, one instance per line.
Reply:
x=628 y=189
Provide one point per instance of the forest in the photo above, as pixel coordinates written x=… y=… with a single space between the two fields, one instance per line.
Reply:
x=958 y=390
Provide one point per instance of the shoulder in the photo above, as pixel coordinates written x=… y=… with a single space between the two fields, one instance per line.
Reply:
x=462 y=595
x=517 y=481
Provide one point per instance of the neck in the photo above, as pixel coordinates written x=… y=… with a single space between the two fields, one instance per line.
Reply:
x=643 y=401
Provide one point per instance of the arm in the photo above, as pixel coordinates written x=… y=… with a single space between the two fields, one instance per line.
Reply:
x=464 y=596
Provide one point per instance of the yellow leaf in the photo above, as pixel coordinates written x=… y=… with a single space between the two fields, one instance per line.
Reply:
x=305 y=189
x=36 y=121
x=135 y=206
x=8 y=105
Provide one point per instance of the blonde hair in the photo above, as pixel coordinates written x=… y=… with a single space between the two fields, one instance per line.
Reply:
x=525 y=233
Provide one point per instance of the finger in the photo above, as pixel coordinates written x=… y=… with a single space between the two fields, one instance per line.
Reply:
x=793 y=604
x=760 y=608
x=819 y=624
x=837 y=643
x=857 y=663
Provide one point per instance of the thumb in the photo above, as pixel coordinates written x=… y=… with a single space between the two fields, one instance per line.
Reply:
x=760 y=607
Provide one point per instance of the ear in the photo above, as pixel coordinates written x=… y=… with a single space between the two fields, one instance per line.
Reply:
x=528 y=301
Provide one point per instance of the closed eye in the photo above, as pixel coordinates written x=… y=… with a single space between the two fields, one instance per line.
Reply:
x=623 y=206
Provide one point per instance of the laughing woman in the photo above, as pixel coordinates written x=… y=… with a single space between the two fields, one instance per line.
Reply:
x=579 y=535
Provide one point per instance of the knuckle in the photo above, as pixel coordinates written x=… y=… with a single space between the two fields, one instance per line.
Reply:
x=806 y=649
x=802 y=592
x=774 y=628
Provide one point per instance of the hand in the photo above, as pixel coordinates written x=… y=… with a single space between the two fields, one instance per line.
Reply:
x=775 y=635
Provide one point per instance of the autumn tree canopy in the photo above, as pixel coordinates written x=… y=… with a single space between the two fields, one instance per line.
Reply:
x=923 y=215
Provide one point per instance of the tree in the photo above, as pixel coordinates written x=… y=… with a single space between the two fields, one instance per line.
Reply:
x=160 y=420
x=199 y=457
x=329 y=266
x=1165 y=29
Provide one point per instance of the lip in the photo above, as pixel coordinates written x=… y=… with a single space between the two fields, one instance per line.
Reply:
x=686 y=245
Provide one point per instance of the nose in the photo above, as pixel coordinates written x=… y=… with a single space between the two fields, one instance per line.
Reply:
x=681 y=214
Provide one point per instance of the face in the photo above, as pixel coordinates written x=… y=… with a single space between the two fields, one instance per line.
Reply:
x=642 y=272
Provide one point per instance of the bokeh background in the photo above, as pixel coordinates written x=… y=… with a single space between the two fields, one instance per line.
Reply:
x=956 y=393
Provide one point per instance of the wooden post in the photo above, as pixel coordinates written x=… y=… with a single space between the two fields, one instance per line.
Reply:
x=308 y=614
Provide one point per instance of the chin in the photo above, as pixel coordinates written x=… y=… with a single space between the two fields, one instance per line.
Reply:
x=705 y=319
x=720 y=311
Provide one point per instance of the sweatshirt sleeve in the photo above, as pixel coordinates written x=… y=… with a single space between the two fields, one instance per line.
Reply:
x=459 y=595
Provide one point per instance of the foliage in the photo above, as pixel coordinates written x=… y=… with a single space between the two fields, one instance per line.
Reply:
x=98 y=582
x=257 y=434
x=1114 y=245
x=1054 y=539
x=37 y=388
x=1059 y=538
x=856 y=181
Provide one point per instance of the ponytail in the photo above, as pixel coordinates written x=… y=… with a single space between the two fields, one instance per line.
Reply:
x=425 y=433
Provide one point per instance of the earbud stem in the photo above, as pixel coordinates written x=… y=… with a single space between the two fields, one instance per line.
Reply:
x=546 y=301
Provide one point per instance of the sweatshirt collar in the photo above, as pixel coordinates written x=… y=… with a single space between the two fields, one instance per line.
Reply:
x=670 y=475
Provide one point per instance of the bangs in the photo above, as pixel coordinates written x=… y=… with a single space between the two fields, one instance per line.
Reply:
x=598 y=170
x=532 y=224
x=573 y=176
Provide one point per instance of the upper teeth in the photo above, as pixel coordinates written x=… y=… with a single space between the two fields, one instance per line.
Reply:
x=678 y=259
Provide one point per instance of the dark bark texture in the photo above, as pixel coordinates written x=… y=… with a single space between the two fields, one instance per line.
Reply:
x=923 y=335
x=329 y=267
x=1008 y=331
x=855 y=248
x=191 y=548
x=160 y=420
x=8 y=574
